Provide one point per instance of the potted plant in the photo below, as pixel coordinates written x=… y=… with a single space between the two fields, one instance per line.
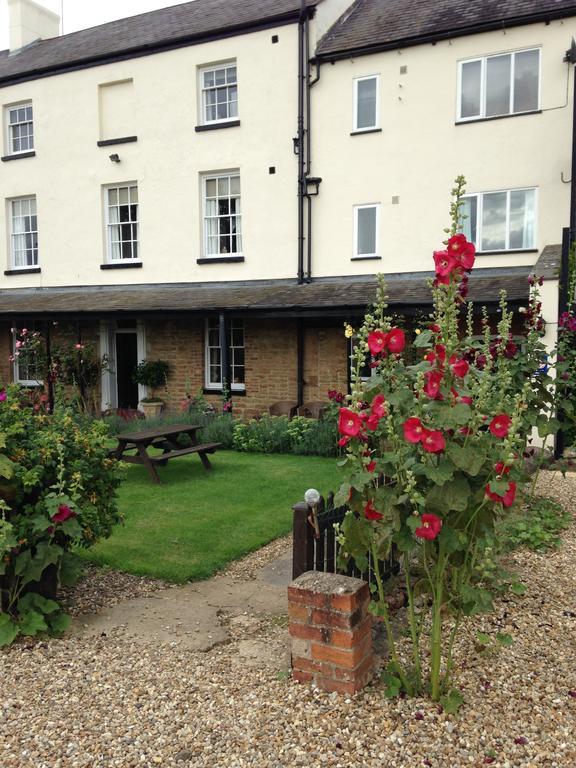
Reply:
x=152 y=374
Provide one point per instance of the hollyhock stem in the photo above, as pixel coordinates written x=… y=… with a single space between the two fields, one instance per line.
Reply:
x=449 y=659
x=414 y=628
x=436 y=635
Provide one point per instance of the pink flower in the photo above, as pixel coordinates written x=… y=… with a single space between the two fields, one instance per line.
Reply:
x=64 y=513
x=377 y=342
x=433 y=441
x=459 y=366
x=3 y=395
x=378 y=407
x=370 y=512
x=349 y=423
x=396 y=340
x=500 y=425
x=445 y=264
x=413 y=430
x=372 y=422
x=432 y=384
x=430 y=528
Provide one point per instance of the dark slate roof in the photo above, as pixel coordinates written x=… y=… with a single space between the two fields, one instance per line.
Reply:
x=166 y=28
x=548 y=265
x=381 y=24
x=281 y=296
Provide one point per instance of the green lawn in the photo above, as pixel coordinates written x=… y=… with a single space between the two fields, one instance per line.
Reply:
x=197 y=521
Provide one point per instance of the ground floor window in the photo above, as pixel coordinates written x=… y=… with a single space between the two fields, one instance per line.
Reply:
x=213 y=352
x=28 y=353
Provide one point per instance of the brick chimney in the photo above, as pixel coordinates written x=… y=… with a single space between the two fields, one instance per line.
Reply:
x=30 y=22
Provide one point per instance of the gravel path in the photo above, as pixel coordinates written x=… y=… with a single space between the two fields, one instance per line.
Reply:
x=86 y=702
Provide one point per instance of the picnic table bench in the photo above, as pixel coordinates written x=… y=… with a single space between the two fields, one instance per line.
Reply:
x=165 y=438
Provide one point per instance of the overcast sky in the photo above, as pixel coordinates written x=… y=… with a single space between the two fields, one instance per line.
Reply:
x=79 y=14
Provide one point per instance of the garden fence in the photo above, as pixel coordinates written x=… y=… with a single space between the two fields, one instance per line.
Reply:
x=315 y=546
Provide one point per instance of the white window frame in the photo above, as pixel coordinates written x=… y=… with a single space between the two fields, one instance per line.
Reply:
x=202 y=104
x=15 y=365
x=11 y=234
x=9 y=141
x=358 y=208
x=217 y=385
x=239 y=234
x=109 y=224
x=483 y=60
x=376 y=125
x=480 y=212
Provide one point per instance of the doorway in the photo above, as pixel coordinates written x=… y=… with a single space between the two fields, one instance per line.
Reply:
x=126 y=362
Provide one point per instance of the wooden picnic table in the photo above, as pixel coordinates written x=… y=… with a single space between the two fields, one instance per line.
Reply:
x=165 y=438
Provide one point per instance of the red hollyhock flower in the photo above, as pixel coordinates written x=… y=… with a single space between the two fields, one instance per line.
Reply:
x=464 y=251
x=459 y=366
x=433 y=441
x=349 y=423
x=370 y=512
x=439 y=354
x=500 y=425
x=64 y=513
x=413 y=430
x=501 y=468
x=432 y=385
x=508 y=499
x=444 y=263
x=396 y=340
x=372 y=422
x=456 y=244
x=371 y=466
x=343 y=441
x=430 y=528
x=377 y=342
x=379 y=406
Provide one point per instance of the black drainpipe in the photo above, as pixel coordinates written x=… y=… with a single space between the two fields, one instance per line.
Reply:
x=300 y=149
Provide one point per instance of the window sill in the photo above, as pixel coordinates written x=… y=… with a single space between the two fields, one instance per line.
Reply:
x=216 y=126
x=233 y=393
x=221 y=260
x=111 y=142
x=497 y=117
x=19 y=156
x=128 y=265
x=503 y=253
x=366 y=258
x=25 y=271
x=365 y=130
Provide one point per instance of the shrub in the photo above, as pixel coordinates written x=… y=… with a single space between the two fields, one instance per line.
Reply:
x=266 y=435
x=151 y=373
x=57 y=489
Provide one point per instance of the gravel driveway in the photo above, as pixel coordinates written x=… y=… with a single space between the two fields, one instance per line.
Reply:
x=86 y=702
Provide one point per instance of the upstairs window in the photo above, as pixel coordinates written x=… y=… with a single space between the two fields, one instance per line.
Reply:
x=23 y=233
x=501 y=221
x=366 y=103
x=222 y=218
x=366 y=226
x=219 y=89
x=494 y=86
x=20 y=128
x=121 y=210
x=213 y=351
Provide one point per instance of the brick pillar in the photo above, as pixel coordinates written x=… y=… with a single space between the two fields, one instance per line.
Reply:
x=331 y=631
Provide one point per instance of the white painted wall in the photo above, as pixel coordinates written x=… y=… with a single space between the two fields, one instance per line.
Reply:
x=420 y=150
x=69 y=169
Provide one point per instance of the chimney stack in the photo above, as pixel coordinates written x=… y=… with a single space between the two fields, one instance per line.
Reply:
x=30 y=22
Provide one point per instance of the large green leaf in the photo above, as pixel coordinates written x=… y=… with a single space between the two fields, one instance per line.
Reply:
x=58 y=623
x=452 y=539
x=8 y=629
x=33 y=601
x=438 y=473
x=423 y=339
x=469 y=458
x=31 y=623
x=6 y=467
x=453 y=495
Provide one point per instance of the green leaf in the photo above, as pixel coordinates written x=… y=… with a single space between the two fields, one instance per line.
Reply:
x=504 y=639
x=72 y=528
x=71 y=569
x=469 y=458
x=58 y=623
x=438 y=474
x=31 y=623
x=8 y=629
x=393 y=685
x=6 y=467
x=33 y=601
x=475 y=600
x=483 y=638
x=423 y=339
x=454 y=495
x=452 y=539
x=452 y=701
x=517 y=588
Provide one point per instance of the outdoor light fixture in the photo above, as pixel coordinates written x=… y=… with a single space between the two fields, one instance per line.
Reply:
x=313 y=181
x=115 y=158
x=312 y=498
